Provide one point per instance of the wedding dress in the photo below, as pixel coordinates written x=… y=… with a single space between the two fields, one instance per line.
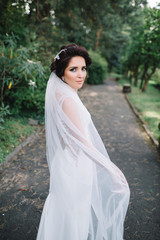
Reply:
x=88 y=195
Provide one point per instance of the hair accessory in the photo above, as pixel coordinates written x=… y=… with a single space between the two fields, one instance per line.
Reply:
x=57 y=57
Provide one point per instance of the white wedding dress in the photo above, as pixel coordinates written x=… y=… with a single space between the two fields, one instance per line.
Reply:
x=88 y=196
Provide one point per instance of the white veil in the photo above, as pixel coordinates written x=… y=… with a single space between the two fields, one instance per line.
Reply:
x=90 y=193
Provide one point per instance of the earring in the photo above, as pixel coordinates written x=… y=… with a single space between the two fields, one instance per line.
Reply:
x=62 y=78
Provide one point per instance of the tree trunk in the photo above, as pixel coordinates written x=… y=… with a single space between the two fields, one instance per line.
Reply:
x=97 y=40
x=147 y=79
x=136 y=79
x=136 y=75
x=130 y=77
x=144 y=75
x=38 y=11
x=125 y=74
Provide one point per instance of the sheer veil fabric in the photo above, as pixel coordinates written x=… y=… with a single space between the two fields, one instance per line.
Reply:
x=88 y=196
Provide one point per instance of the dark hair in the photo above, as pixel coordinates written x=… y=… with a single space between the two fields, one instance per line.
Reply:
x=61 y=61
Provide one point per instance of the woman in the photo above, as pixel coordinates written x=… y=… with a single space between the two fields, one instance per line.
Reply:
x=89 y=195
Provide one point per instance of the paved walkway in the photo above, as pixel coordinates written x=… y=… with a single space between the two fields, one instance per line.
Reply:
x=24 y=180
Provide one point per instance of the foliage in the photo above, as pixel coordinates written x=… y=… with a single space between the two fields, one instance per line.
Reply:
x=98 y=25
x=13 y=19
x=97 y=70
x=20 y=76
x=4 y=112
x=156 y=77
x=14 y=132
x=144 y=52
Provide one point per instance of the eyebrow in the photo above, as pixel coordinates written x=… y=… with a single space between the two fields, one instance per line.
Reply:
x=76 y=66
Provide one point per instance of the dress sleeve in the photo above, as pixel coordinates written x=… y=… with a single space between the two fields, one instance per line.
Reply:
x=70 y=109
x=76 y=138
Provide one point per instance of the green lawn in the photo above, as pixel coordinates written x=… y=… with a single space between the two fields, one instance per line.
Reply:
x=15 y=131
x=148 y=105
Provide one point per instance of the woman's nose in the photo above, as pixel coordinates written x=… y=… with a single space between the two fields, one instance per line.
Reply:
x=81 y=73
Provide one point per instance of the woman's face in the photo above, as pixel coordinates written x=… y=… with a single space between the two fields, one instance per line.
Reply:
x=75 y=73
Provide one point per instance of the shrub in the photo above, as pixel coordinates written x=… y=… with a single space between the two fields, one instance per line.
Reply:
x=4 y=112
x=27 y=99
x=22 y=83
x=98 y=69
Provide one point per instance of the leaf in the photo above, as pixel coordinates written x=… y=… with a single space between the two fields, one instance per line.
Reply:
x=22 y=189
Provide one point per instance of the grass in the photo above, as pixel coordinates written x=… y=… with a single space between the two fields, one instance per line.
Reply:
x=148 y=105
x=15 y=131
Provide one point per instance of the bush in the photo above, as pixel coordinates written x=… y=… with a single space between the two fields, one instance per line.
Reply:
x=27 y=98
x=4 y=112
x=22 y=83
x=98 y=69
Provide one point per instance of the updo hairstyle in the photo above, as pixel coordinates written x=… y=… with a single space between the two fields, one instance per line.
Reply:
x=62 y=59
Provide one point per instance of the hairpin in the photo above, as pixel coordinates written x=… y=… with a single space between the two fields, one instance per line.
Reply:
x=57 y=57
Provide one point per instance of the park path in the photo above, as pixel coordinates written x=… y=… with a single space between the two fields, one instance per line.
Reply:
x=25 y=179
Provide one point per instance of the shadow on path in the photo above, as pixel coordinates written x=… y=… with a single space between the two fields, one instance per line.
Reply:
x=25 y=179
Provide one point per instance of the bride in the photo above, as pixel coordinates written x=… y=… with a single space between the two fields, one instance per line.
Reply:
x=88 y=195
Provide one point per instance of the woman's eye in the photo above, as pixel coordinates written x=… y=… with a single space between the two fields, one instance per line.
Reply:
x=73 y=69
x=84 y=69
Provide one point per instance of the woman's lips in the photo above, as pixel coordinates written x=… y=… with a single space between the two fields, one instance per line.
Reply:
x=79 y=82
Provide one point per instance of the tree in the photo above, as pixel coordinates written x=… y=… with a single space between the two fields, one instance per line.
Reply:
x=144 y=52
x=98 y=25
x=150 y=46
